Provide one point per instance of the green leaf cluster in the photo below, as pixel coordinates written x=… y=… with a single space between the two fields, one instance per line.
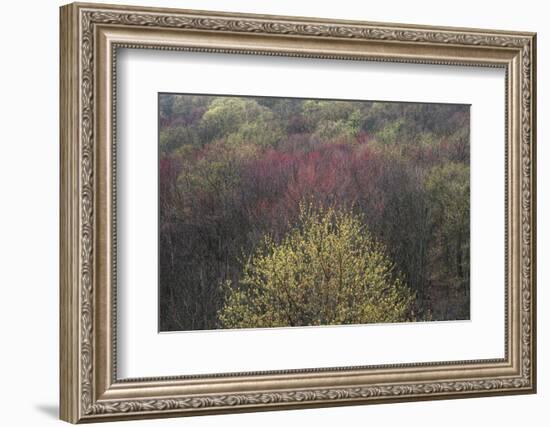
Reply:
x=327 y=270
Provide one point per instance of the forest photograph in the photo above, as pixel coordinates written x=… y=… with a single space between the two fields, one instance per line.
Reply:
x=293 y=212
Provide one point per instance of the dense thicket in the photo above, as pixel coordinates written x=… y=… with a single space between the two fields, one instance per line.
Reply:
x=234 y=170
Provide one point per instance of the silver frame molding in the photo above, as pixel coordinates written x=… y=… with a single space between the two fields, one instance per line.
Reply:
x=90 y=37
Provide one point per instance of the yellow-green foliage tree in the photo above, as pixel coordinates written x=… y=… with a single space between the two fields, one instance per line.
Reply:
x=327 y=270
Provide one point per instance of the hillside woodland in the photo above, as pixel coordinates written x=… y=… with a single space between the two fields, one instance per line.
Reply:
x=297 y=212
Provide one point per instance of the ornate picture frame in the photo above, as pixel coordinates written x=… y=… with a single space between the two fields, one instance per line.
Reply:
x=90 y=37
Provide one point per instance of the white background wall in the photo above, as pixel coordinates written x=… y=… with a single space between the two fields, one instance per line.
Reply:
x=29 y=170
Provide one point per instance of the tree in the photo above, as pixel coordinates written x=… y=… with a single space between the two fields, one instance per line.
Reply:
x=228 y=115
x=448 y=187
x=327 y=270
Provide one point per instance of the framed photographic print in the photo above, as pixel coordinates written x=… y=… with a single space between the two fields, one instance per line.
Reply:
x=265 y=212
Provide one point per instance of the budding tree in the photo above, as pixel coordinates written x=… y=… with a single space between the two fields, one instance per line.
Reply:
x=327 y=270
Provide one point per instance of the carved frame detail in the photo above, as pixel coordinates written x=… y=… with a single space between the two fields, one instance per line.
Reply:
x=80 y=401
